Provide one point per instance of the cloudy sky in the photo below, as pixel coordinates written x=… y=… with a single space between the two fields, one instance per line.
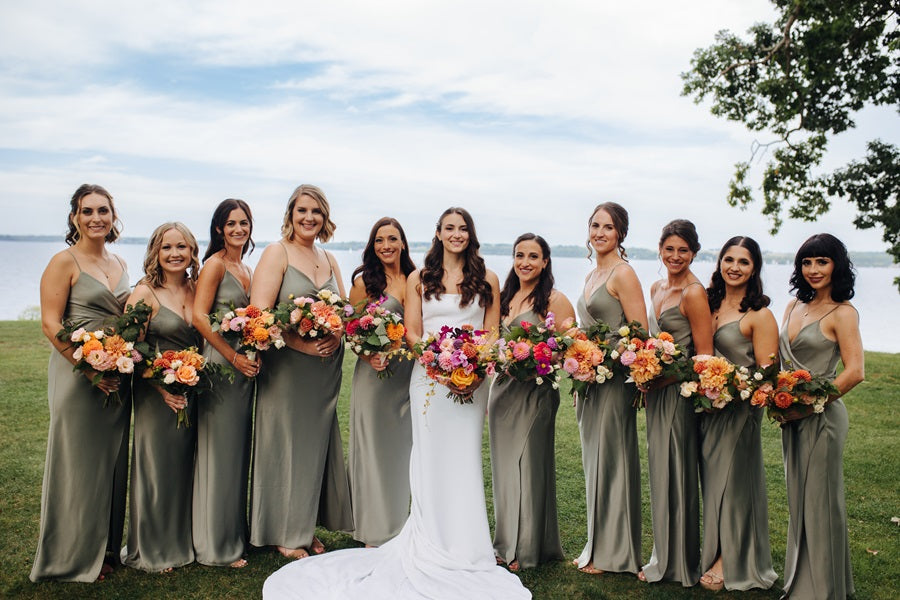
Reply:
x=528 y=113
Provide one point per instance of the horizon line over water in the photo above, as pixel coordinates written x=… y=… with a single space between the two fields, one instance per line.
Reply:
x=24 y=262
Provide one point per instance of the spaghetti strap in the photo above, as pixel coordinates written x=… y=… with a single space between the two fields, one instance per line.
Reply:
x=830 y=311
x=155 y=297
x=684 y=289
x=119 y=260
x=287 y=259
x=77 y=264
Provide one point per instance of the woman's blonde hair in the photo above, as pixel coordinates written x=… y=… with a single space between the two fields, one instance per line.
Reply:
x=153 y=273
x=328 y=226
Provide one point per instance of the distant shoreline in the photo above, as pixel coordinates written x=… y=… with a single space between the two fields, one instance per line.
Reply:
x=861 y=259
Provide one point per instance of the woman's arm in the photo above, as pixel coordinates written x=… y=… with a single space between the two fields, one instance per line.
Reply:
x=562 y=311
x=412 y=311
x=764 y=336
x=695 y=307
x=56 y=284
x=844 y=322
x=492 y=313
x=624 y=285
x=268 y=276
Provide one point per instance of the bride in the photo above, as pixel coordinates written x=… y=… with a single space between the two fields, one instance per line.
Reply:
x=444 y=550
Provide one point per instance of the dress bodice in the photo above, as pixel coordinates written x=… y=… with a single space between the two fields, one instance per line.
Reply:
x=529 y=316
x=168 y=331
x=91 y=303
x=393 y=305
x=600 y=307
x=296 y=283
x=730 y=343
x=446 y=311
x=230 y=293
x=809 y=350
x=674 y=322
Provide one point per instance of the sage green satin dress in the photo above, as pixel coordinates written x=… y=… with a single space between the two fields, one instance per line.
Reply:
x=673 y=448
x=299 y=478
x=733 y=478
x=222 y=469
x=162 y=463
x=380 y=443
x=817 y=560
x=609 y=455
x=86 y=472
x=522 y=425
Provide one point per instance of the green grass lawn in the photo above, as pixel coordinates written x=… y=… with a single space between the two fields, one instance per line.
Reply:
x=871 y=460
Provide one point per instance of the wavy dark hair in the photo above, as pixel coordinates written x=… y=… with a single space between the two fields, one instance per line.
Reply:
x=754 y=298
x=474 y=282
x=217 y=227
x=683 y=229
x=86 y=189
x=843 y=278
x=153 y=272
x=540 y=296
x=372 y=270
x=619 y=217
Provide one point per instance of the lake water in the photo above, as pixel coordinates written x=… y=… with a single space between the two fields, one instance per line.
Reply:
x=21 y=265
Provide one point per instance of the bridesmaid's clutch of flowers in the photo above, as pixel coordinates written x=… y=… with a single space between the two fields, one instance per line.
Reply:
x=114 y=348
x=181 y=372
x=313 y=317
x=374 y=330
x=646 y=358
x=254 y=329
x=781 y=391
x=715 y=382
x=589 y=357
x=530 y=352
x=460 y=356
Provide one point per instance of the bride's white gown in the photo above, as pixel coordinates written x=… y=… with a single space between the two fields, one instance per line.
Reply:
x=444 y=550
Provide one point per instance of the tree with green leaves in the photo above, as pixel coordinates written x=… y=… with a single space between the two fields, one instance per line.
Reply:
x=801 y=80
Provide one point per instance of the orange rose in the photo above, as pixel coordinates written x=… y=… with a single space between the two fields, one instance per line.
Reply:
x=187 y=375
x=91 y=345
x=665 y=336
x=802 y=375
x=461 y=379
x=759 y=398
x=786 y=380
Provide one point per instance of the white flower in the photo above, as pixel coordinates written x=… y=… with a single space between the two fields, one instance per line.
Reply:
x=279 y=343
x=169 y=377
x=555 y=385
x=623 y=330
x=614 y=355
x=79 y=352
x=758 y=376
x=818 y=408
x=124 y=364
x=325 y=294
x=745 y=394
x=539 y=381
x=98 y=334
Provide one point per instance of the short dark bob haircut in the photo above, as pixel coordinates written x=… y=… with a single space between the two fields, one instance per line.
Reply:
x=843 y=277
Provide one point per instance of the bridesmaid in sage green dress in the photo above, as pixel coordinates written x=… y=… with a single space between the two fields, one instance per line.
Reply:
x=819 y=328
x=159 y=523
x=522 y=421
x=222 y=466
x=380 y=429
x=736 y=553
x=680 y=307
x=85 y=475
x=298 y=477
x=606 y=413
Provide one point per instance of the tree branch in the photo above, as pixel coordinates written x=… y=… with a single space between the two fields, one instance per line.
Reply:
x=784 y=42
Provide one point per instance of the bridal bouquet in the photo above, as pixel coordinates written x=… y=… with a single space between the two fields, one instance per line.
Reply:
x=254 y=329
x=114 y=348
x=180 y=372
x=779 y=390
x=375 y=330
x=715 y=382
x=646 y=358
x=314 y=317
x=459 y=356
x=588 y=357
x=530 y=352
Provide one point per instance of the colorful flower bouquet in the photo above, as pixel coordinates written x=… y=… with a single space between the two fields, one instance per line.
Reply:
x=646 y=358
x=457 y=356
x=313 y=317
x=715 y=383
x=254 y=328
x=588 y=357
x=115 y=348
x=779 y=390
x=180 y=372
x=375 y=330
x=530 y=352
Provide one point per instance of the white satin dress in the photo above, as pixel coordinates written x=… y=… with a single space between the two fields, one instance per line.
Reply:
x=444 y=550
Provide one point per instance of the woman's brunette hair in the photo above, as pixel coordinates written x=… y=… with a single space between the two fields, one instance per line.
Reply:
x=540 y=296
x=372 y=270
x=474 y=282
x=754 y=298
x=85 y=189
x=619 y=217
x=683 y=229
x=153 y=273
x=217 y=227
x=843 y=278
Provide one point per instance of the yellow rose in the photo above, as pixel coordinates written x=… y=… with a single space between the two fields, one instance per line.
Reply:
x=461 y=379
